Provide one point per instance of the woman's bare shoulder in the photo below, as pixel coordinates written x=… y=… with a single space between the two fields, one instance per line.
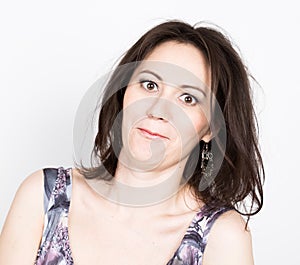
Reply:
x=229 y=242
x=33 y=182
x=30 y=193
x=23 y=226
x=230 y=224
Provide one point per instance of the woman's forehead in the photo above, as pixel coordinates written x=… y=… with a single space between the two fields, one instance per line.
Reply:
x=190 y=61
x=169 y=73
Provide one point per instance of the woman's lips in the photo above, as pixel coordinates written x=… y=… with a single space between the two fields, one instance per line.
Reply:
x=151 y=135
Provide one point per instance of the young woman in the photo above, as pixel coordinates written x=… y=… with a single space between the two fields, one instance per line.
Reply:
x=178 y=157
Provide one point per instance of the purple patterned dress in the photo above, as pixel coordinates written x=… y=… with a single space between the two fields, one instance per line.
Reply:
x=55 y=248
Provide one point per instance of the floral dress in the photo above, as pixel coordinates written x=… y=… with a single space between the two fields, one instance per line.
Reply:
x=55 y=247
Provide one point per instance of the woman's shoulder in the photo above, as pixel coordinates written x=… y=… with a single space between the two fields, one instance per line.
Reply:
x=29 y=195
x=34 y=178
x=31 y=189
x=24 y=220
x=230 y=224
x=28 y=201
x=229 y=241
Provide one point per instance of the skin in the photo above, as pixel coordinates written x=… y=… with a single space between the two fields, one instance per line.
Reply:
x=228 y=241
x=158 y=102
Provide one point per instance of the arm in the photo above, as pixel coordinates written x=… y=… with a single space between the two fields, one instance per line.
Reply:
x=228 y=242
x=22 y=230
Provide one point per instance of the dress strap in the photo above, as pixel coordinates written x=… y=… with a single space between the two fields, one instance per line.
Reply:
x=194 y=241
x=54 y=247
x=50 y=176
x=57 y=188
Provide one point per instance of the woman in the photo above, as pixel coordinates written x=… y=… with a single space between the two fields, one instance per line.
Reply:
x=179 y=157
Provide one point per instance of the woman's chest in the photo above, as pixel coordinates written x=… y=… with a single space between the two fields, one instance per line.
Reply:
x=104 y=240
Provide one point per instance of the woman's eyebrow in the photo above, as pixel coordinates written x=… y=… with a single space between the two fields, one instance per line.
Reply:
x=152 y=73
x=195 y=87
x=182 y=86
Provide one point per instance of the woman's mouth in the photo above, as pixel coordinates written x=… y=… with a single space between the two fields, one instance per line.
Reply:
x=151 y=135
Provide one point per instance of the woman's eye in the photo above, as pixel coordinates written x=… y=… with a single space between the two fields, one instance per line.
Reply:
x=188 y=99
x=149 y=85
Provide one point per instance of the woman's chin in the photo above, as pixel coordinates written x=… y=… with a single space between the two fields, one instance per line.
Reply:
x=141 y=153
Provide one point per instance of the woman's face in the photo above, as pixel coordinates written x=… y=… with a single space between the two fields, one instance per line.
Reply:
x=165 y=106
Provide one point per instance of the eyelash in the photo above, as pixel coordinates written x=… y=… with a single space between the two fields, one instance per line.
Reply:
x=143 y=82
x=196 y=101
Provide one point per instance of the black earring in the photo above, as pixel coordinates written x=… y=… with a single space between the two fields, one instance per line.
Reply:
x=207 y=163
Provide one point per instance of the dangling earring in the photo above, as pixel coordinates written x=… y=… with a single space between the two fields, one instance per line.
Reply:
x=207 y=164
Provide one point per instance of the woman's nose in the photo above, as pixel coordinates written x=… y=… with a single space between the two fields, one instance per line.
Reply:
x=160 y=108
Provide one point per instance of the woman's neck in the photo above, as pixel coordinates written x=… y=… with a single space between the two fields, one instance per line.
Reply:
x=160 y=189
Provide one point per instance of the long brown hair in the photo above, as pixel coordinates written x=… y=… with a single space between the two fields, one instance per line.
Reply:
x=241 y=173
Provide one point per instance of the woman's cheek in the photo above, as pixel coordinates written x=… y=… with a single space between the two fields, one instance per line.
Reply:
x=200 y=124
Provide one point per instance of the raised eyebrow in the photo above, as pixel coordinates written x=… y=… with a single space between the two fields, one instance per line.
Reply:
x=183 y=86
x=195 y=87
x=152 y=73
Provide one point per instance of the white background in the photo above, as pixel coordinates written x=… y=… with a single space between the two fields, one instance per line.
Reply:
x=51 y=52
